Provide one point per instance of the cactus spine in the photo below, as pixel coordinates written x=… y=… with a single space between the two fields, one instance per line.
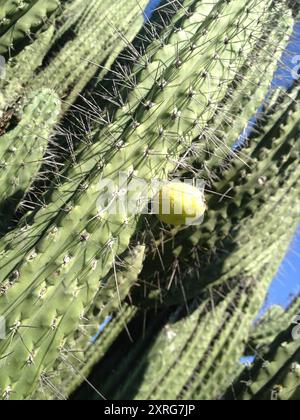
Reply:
x=104 y=29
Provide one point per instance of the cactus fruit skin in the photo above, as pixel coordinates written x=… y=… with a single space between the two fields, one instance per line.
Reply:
x=180 y=204
x=18 y=19
x=23 y=148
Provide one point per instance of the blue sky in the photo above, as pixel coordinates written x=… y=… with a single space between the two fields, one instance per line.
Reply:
x=151 y=7
x=287 y=282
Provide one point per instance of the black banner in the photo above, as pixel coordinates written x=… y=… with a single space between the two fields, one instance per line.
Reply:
x=133 y=409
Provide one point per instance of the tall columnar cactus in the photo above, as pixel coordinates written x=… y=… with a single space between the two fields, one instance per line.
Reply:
x=100 y=35
x=23 y=149
x=275 y=375
x=19 y=71
x=271 y=324
x=19 y=19
x=90 y=342
x=91 y=157
x=91 y=37
x=170 y=111
x=248 y=186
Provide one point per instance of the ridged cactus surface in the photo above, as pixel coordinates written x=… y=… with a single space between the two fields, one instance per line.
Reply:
x=89 y=287
x=275 y=320
x=99 y=37
x=23 y=149
x=275 y=376
x=18 y=19
x=19 y=70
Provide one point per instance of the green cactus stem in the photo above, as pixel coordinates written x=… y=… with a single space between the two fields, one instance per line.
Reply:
x=275 y=376
x=19 y=19
x=107 y=29
x=22 y=150
x=88 y=350
x=19 y=71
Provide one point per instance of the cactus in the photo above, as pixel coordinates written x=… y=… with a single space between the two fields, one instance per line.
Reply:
x=90 y=342
x=23 y=149
x=218 y=377
x=87 y=157
x=273 y=377
x=253 y=182
x=103 y=30
x=170 y=112
x=171 y=368
x=18 y=19
x=92 y=44
x=19 y=70
x=271 y=324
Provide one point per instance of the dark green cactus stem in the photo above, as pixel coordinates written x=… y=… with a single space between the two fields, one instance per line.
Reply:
x=275 y=375
x=22 y=150
x=295 y=6
x=80 y=355
x=73 y=15
x=117 y=368
x=93 y=353
x=172 y=361
x=19 y=71
x=271 y=324
x=99 y=37
x=19 y=19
